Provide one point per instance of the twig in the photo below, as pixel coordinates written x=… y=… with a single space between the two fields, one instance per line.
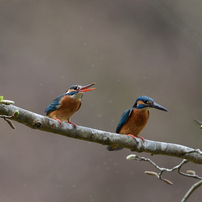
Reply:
x=190 y=173
x=6 y=118
x=199 y=123
x=191 y=190
x=162 y=170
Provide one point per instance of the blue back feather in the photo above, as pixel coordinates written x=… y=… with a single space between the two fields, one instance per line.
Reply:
x=54 y=104
x=125 y=116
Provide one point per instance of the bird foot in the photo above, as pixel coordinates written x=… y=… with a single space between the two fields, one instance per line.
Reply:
x=136 y=137
x=141 y=138
x=58 y=120
x=72 y=123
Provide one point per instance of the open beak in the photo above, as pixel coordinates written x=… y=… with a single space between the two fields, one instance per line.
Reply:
x=157 y=106
x=87 y=88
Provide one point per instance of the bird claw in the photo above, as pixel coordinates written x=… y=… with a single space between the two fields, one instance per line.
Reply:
x=68 y=122
x=136 y=137
x=72 y=124
x=141 y=138
x=58 y=120
x=131 y=136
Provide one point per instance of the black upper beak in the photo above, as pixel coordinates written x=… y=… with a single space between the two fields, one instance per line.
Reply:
x=157 y=106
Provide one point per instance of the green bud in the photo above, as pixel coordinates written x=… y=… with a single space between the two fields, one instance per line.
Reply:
x=16 y=113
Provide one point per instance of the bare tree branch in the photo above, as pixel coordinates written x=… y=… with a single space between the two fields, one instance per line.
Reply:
x=191 y=190
x=190 y=173
x=152 y=173
x=36 y=121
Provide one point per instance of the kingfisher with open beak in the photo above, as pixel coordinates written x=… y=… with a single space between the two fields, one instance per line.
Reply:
x=65 y=105
x=133 y=120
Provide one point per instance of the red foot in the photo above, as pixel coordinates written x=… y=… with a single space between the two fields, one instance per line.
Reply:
x=58 y=120
x=135 y=137
x=72 y=123
x=141 y=138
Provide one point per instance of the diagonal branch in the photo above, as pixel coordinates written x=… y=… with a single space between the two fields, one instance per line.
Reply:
x=36 y=121
x=191 y=190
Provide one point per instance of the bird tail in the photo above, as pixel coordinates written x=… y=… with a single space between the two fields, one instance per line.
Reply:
x=113 y=148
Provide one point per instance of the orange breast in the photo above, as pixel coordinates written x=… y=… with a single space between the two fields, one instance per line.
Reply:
x=68 y=106
x=136 y=122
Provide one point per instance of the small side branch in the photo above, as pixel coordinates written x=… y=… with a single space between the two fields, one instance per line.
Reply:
x=190 y=173
x=6 y=118
x=199 y=123
x=191 y=190
x=162 y=170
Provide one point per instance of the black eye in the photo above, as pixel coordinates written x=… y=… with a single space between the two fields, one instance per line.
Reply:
x=76 y=87
x=145 y=101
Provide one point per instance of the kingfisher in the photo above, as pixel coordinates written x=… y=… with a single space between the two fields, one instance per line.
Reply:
x=65 y=105
x=133 y=120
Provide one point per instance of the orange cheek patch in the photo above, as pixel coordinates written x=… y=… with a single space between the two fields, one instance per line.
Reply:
x=70 y=90
x=139 y=103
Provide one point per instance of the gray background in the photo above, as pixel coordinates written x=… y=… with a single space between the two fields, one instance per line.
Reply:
x=129 y=48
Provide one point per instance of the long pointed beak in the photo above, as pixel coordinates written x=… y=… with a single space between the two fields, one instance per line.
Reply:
x=87 y=88
x=157 y=106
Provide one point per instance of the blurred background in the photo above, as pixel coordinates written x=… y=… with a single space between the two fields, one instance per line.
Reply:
x=129 y=48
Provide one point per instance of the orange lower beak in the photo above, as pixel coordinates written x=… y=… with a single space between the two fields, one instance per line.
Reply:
x=87 y=88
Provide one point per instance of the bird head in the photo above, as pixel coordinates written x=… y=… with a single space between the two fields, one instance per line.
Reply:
x=77 y=91
x=145 y=102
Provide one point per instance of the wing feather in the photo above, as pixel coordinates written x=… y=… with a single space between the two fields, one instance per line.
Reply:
x=54 y=104
x=125 y=116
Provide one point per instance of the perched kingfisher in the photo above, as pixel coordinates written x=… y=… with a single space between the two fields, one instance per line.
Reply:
x=133 y=120
x=65 y=105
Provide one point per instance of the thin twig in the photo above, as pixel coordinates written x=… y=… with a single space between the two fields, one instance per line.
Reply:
x=162 y=170
x=6 y=118
x=199 y=123
x=191 y=190
x=190 y=173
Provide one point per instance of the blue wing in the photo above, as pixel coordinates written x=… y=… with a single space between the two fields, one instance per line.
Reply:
x=54 y=104
x=123 y=119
